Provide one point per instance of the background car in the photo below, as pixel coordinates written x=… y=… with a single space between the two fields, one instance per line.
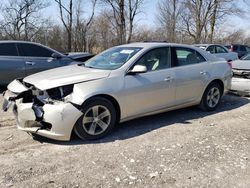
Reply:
x=241 y=76
x=19 y=59
x=238 y=48
x=219 y=51
x=122 y=83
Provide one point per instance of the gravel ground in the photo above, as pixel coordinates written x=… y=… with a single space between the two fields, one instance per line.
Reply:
x=183 y=148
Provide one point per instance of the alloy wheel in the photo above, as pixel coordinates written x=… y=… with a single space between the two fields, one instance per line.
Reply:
x=96 y=120
x=213 y=97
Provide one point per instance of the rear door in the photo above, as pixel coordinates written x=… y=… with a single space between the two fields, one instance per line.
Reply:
x=191 y=73
x=11 y=65
x=37 y=58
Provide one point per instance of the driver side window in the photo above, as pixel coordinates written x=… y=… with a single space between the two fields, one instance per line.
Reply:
x=156 y=59
x=32 y=50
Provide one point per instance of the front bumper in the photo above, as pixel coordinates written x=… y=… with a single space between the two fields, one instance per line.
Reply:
x=241 y=86
x=56 y=122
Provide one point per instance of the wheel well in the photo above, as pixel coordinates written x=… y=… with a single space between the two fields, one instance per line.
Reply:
x=220 y=83
x=113 y=101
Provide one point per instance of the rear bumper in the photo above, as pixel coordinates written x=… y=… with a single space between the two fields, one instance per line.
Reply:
x=56 y=123
x=241 y=86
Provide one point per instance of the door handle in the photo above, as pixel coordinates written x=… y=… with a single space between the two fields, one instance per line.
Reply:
x=203 y=72
x=30 y=63
x=168 y=79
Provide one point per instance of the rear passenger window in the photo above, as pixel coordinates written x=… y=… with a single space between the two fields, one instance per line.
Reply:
x=186 y=56
x=32 y=50
x=211 y=49
x=8 y=49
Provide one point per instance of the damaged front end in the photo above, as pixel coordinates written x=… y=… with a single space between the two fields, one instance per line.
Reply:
x=241 y=82
x=47 y=113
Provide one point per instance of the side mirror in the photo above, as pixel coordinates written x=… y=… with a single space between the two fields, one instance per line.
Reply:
x=138 y=69
x=56 y=56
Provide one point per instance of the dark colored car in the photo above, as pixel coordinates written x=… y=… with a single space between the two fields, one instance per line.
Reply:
x=21 y=58
x=238 y=48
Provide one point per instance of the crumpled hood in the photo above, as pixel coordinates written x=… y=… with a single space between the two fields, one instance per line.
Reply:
x=64 y=76
x=241 y=64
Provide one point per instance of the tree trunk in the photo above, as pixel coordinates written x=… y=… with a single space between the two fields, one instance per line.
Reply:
x=70 y=25
x=122 y=24
x=213 y=21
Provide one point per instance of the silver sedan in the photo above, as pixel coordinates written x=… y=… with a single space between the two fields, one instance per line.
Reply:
x=122 y=83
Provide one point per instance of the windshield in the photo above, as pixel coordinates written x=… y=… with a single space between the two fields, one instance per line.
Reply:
x=246 y=57
x=112 y=58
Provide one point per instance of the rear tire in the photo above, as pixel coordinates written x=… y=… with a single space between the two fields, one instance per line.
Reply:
x=211 y=97
x=98 y=119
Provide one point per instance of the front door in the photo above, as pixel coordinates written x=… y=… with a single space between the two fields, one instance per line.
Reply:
x=36 y=58
x=11 y=65
x=153 y=90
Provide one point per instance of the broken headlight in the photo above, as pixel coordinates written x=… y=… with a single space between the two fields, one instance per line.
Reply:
x=54 y=94
x=60 y=92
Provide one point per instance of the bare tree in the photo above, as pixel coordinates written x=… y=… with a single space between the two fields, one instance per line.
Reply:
x=124 y=13
x=68 y=21
x=169 y=17
x=22 y=19
x=196 y=16
x=75 y=25
x=118 y=8
x=82 y=26
x=220 y=11
x=133 y=9
x=104 y=31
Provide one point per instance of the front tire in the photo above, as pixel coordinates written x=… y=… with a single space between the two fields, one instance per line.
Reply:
x=211 y=97
x=98 y=119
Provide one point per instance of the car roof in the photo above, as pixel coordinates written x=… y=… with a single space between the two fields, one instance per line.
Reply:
x=17 y=41
x=149 y=45
x=29 y=42
x=154 y=44
x=207 y=45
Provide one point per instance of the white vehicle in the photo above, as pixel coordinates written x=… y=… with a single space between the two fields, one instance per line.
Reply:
x=241 y=76
x=122 y=83
x=219 y=51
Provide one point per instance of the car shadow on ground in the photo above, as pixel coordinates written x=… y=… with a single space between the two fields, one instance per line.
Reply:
x=147 y=124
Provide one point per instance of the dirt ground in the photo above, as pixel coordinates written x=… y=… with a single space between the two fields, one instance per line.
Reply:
x=183 y=148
